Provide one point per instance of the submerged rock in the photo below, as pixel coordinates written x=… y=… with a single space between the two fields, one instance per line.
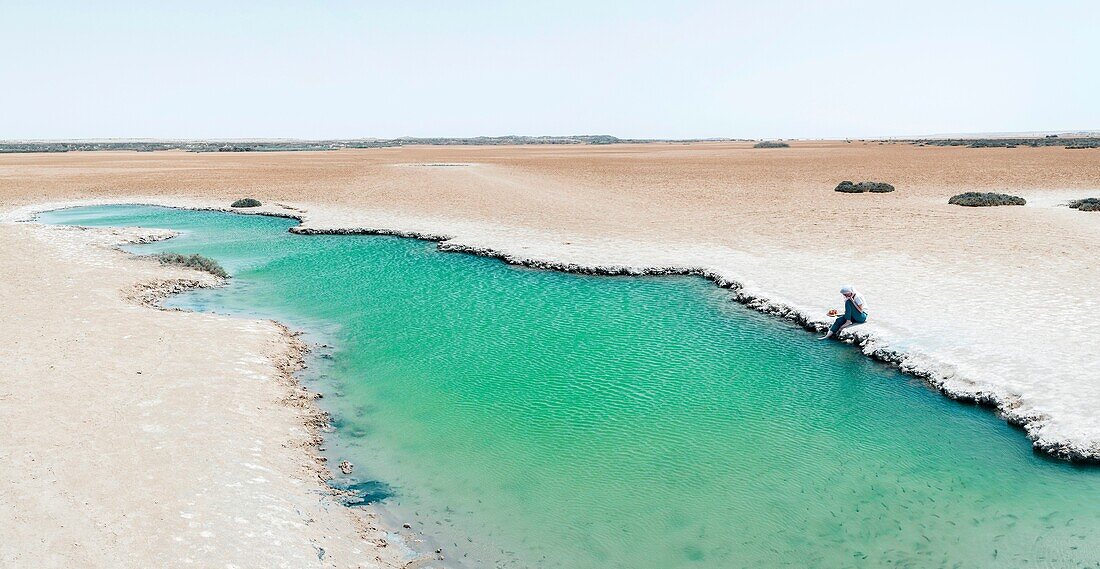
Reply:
x=363 y=493
x=985 y=199
x=848 y=187
x=1087 y=204
x=246 y=202
x=346 y=467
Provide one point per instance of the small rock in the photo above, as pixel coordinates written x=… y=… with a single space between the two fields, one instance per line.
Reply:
x=406 y=526
x=346 y=467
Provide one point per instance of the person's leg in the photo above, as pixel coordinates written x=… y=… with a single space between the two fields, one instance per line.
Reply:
x=842 y=321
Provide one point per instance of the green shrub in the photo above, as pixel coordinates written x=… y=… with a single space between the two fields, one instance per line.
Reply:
x=848 y=187
x=246 y=202
x=985 y=199
x=195 y=261
x=1087 y=204
x=771 y=144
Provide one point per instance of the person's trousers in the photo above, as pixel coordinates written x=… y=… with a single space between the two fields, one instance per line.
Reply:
x=850 y=315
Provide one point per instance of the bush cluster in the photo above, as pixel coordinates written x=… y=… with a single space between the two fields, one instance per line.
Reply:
x=985 y=199
x=195 y=261
x=875 y=187
x=246 y=202
x=1087 y=204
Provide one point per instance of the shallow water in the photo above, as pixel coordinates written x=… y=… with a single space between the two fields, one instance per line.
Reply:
x=531 y=418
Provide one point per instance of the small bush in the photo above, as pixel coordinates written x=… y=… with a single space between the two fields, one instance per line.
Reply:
x=985 y=199
x=195 y=261
x=771 y=144
x=246 y=202
x=1087 y=204
x=848 y=187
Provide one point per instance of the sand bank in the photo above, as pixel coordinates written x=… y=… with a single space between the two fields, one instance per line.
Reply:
x=139 y=437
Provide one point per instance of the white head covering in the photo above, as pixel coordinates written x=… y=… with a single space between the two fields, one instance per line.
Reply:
x=856 y=297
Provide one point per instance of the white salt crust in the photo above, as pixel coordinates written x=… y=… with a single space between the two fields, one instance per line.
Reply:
x=1026 y=346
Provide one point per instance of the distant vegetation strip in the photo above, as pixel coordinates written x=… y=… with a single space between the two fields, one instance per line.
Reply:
x=1034 y=142
x=9 y=147
x=305 y=145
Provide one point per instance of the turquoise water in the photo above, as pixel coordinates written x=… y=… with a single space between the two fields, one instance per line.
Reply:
x=526 y=418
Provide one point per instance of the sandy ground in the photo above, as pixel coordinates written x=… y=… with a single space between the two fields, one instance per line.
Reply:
x=996 y=303
x=136 y=437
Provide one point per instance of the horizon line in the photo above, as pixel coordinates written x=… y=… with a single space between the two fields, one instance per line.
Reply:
x=992 y=134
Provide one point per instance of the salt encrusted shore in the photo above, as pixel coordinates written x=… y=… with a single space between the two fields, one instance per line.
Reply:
x=157 y=437
x=939 y=374
x=1071 y=433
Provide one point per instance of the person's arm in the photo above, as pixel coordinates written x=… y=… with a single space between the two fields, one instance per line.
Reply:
x=862 y=308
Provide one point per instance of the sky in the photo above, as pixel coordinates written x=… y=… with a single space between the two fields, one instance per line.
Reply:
x=633 y=69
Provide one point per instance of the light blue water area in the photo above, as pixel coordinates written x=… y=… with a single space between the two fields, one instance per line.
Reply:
x=527 y=418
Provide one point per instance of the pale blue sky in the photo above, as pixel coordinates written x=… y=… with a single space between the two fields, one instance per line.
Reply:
x=312 y=69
